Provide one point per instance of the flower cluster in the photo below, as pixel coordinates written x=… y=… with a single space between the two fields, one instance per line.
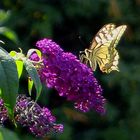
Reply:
x=72 y=79
x=39 y=121
x=3 y=112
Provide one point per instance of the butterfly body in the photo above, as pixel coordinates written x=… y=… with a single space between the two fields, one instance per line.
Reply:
x=103 y=49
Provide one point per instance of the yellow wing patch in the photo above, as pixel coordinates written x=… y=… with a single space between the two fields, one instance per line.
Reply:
x=103 y=49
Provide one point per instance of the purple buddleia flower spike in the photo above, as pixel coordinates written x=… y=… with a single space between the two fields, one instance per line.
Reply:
x=72 y=79
x=39 y=121
x=3 y=112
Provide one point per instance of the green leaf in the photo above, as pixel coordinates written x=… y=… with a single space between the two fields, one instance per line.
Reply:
x=30 y=85
x=9 y=80
x=34 y=76
x=6 y=134
x=19 y=63
x=9 y=34
x=19 y=67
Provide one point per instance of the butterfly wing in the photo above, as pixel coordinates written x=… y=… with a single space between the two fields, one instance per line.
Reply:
x=103 y=36
x=98 y=52
x=112 y=64
x=98 y=55
x=102 y=49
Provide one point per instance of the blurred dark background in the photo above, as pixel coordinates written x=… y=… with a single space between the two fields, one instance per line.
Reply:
x=23 y=22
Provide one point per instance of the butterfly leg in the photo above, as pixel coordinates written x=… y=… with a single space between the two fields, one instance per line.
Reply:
x=84 y=59
x=90 y=56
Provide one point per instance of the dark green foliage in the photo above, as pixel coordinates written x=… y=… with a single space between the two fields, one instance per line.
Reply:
x=66 y=20
x=9 y=80
x=31 y=70
x=6 y=134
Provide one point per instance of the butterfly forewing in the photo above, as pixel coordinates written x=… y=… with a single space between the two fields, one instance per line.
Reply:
x=102 y=36
x=117 y=34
